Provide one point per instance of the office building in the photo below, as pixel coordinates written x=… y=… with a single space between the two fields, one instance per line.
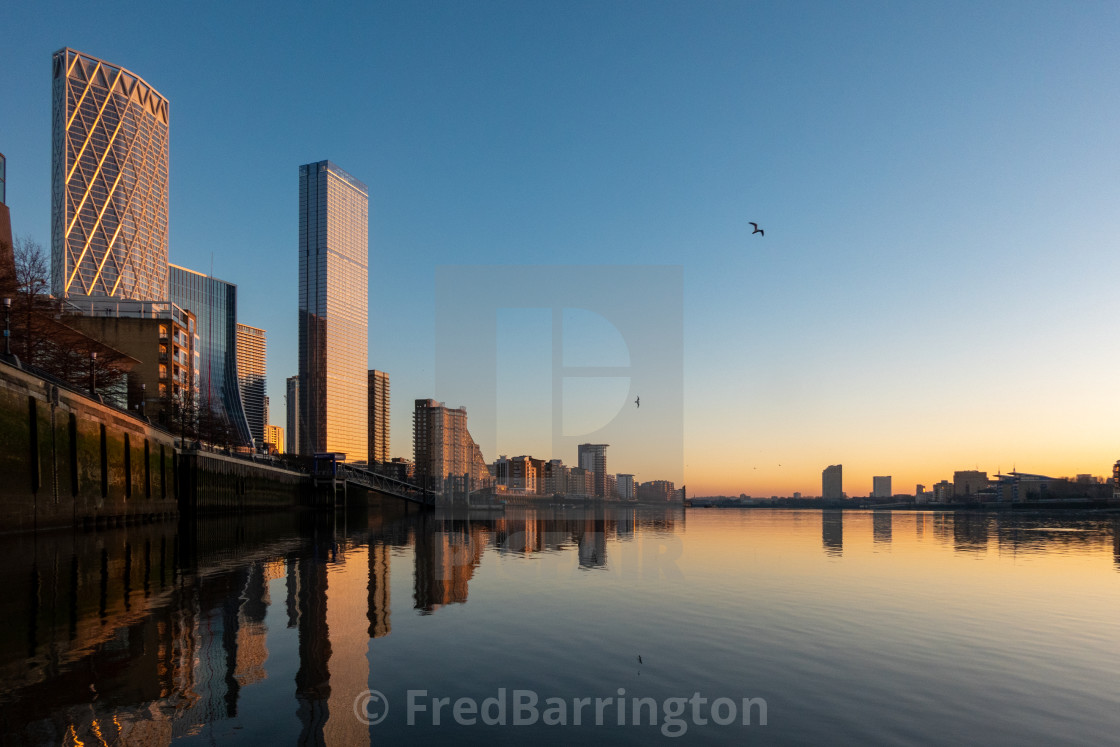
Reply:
x=625 y=487
x=214 y=305
x=881 y=487
x=593 y=458
x=333 y=311
x=109 y=181
x=967 y=483
x=378 y=417
x=291 y=403
x=832 y=482
x=274 y=438
x=251 y=350
x=448 y=461
x=162 y=339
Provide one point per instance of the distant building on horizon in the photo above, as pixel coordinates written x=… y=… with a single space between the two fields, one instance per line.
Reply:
x=832 y=483
x=593 y=458
x=109 y=181
x=214 y=305
x=378 y=417
x=967 y=483
x=251 y=372
x=881 y=487
x=333 y=311
x=625 y=486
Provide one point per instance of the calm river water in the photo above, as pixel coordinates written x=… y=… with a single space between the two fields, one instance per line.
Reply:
x=615 y=626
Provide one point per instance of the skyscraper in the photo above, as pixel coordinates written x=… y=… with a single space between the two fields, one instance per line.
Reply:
x=333 y=311
x=292 y=406
x=378 y=417
x=251 y=349
x=214 y=304
x=832 y=482
x=593 y=458
x=109 y=181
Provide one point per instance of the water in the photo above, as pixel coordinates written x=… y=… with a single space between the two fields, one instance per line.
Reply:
x=830 y=627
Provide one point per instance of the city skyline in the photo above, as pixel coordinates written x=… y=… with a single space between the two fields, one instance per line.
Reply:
x=932 y=292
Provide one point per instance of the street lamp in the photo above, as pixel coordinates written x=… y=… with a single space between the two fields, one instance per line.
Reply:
x=92 y=374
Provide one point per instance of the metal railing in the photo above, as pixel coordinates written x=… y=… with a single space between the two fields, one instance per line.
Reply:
x=387 y=485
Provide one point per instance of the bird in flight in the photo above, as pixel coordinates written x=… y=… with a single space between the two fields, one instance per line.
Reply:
x=756 y=229
x=637 y=402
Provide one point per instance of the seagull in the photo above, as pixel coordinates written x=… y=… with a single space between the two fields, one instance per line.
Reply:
x=639 y=658
x=637 y=402
x=756 y=229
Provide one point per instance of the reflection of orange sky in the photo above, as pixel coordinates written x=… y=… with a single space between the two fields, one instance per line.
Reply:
x=925 y=547
x=775 y=473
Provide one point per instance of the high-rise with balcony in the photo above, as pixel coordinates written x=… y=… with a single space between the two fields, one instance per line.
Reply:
x=448 y=461
x=214 y=305
x=378 y=417
x=251 y=350
x=333 y=311
x=593 y=458
x=109 y=181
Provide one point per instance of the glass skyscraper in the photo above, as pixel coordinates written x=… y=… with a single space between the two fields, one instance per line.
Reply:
x=109 y=156
x=214 y=304
x=333 y=311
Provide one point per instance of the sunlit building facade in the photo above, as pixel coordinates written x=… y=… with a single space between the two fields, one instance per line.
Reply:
x=333 y=311
x=378 y=417
x=448 y=461
x=274 y=438
x=214 y=305
x=109 y=181
x=251 y=355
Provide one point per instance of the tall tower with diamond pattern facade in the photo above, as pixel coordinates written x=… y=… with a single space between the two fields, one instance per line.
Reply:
x=109 y=159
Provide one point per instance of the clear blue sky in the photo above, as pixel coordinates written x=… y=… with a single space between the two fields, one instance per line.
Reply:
x=938 y=183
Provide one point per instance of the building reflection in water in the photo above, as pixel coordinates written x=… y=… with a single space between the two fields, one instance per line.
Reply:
x=881 y=527
x=970 y=532
x=832 y=531
x=147 y=634
x=447 y=554
x=1116 y=542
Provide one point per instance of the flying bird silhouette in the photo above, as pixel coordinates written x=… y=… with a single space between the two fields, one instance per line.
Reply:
x=639 y=658
x=637 y=402
x=756 y=229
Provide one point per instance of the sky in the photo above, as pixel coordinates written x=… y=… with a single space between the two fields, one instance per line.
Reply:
x=938 y=186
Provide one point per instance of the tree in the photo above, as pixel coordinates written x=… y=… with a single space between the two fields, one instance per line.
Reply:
x=32 y=280
x=180 y=413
